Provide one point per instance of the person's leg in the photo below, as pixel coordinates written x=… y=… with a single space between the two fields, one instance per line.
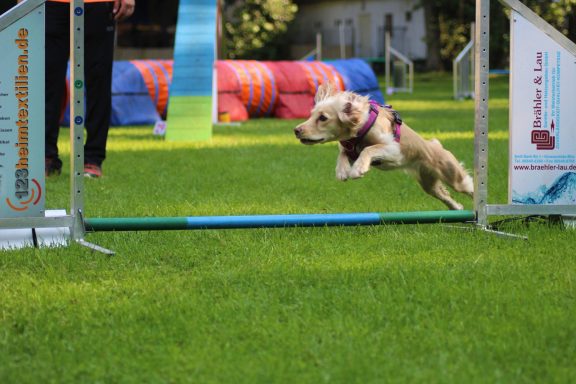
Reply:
x=57 y=52
x=99 y=56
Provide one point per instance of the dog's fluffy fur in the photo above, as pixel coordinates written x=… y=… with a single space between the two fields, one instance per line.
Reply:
x=338 y=116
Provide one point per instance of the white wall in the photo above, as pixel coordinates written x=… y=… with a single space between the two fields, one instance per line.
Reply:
x=408 y=36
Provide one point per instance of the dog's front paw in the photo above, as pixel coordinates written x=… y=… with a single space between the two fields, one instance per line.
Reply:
x=342 y=170
x=341 y=174
x=356 y=173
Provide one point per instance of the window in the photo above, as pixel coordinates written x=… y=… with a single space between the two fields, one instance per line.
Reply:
x=408 y=16
x=389 y=23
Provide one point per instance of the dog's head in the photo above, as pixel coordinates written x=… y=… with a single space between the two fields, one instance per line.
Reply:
x=336 y=116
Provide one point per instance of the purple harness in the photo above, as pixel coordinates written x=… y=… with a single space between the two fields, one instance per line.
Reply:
x=351 y=144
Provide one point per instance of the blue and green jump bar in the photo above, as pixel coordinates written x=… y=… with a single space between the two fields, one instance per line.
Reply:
x=276 y=221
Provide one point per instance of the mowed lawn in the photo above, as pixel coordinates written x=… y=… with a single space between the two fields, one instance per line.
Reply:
x=385 y=304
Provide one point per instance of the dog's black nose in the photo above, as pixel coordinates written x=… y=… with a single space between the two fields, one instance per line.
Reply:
x=298 y=131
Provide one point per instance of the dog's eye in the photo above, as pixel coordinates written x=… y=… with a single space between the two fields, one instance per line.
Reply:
x=322 y=118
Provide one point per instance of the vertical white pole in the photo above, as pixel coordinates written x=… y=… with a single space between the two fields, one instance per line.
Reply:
x=471 y=59
x=387 y=61
x=342 y=41
x=318 y=46
x=481 y=51
x=77 y=117
x=455 y=78
x=411 y=79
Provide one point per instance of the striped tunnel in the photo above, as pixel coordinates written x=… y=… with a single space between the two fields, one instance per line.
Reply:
x=256 y=83
x=245 y=88
x=157 y=75
x=318 y=73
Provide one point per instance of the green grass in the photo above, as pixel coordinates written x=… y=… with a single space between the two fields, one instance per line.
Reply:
x=422 y=303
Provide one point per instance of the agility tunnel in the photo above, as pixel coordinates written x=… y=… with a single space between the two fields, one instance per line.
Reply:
x=246 y=88
x=140 y=92
x=286 y=89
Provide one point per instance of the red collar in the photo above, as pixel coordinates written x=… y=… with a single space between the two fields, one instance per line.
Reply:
x=350 y=144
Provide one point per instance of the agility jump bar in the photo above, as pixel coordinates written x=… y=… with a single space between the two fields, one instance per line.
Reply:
x=275 y=221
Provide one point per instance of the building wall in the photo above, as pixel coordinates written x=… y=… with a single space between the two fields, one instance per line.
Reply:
x=363 y=26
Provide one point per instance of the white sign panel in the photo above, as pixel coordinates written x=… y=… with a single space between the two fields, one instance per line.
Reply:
x=22 y=116
x=542 y=118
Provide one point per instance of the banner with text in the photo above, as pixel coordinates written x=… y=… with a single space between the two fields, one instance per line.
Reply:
x=22 y=116
x=542 y=118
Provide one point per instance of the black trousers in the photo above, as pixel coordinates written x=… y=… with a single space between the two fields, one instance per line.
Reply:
x=99 y=32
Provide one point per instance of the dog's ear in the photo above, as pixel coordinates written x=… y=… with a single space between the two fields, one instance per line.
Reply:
x=322 y=93
x=325 y=90
x=351 y=111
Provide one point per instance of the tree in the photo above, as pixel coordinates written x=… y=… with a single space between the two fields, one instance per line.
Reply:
x=560 y=14
x=447 y=30
x=432 y=16
x=448 y=27
x=253 y=29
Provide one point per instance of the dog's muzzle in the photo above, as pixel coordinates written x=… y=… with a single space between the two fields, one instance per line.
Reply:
x=299 y=133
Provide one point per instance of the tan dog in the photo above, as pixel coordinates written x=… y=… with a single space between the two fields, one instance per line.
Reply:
x=371 y=135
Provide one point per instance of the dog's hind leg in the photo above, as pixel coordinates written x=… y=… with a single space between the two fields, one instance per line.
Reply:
x=432 y=185
x=454 y=174
x=465 y=185
x=451 y=171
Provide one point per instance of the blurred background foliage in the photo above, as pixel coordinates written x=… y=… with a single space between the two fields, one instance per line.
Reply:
x=448 y=27
x=256 y=29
